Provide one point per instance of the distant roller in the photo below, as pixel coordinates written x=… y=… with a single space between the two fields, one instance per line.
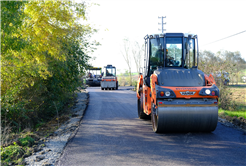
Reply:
x=109 y=79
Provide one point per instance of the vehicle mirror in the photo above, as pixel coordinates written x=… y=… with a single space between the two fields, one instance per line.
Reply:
x=140 y=70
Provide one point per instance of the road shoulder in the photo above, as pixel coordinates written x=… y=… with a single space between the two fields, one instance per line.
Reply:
x=50 y=149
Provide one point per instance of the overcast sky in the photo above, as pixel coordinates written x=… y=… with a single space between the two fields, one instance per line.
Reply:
x=211 y=20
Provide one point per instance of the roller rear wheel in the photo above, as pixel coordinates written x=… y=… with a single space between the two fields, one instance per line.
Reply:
x=141 y=114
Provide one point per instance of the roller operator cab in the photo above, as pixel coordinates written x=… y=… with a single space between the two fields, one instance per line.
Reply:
x=171 y=90
x=109 y=79
x=94 y=76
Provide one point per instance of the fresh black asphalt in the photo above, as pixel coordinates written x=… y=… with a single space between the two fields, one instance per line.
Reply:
x=111 y=134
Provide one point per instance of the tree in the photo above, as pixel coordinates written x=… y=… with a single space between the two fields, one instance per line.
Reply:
x=222 y=65
x=126 y=54
x=137 y=52
x=44 y=48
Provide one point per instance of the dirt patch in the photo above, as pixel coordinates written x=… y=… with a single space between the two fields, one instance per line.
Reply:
x=238 y=94
x=236 y=122
x=50 y=127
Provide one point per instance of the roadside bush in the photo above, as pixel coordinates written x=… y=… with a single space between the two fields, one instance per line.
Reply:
x=6 y=131
x=43 y=55
x=16 y=114
x=122 y=81
x=11 y=153
x=41 y=61
x=26 y=141
x=220 y=64
x=134 y=82
x=129 y=81
x=225 y=99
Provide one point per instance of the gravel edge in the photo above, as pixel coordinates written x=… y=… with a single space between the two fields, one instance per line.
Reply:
x=49 y=150
x=230 y=124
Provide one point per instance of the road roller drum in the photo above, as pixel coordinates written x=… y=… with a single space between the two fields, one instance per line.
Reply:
x=184 y=119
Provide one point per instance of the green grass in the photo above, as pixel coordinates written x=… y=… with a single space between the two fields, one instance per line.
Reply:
x=135 y=74
x=11 y=153
x=14 y=153
x=244 y=71
x=233 y=113
x=27 y=141
x=237 y=86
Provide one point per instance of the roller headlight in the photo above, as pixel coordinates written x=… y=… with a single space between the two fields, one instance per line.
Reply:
x=207 y=91
x=167 y=93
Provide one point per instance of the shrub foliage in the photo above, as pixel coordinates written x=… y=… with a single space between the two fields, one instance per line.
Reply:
x=224 y=66
x=44 y=49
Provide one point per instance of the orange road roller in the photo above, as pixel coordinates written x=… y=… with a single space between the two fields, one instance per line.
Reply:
x=171 y=90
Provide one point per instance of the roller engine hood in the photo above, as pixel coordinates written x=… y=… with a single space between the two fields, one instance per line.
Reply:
x=180 y=77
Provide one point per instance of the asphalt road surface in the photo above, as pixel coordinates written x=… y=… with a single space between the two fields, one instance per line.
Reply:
x=111 y=134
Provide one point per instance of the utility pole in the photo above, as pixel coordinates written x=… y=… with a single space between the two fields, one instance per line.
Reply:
x=162 y=27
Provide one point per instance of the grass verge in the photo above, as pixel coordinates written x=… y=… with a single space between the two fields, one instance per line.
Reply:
x=17 y=146
x=232 y=113
x=14 y=154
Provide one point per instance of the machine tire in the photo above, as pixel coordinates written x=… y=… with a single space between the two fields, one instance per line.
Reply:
x=102 y=88
x=141 y=114
x=117 y=85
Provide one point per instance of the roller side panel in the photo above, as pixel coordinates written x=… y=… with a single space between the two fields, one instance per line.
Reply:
x=146 y=100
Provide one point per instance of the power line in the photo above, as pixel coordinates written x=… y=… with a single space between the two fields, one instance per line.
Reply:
x=224 y=38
